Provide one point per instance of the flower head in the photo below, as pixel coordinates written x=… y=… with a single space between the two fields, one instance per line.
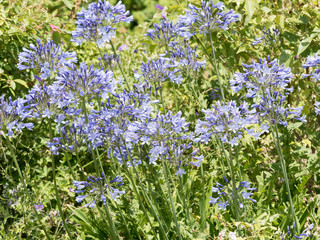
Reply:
x=227 y=121
x=97 y=23
x=45 y=58
x=97 y=189
x=39 y=207
x=166 y=31
x=314 y=63
x=208 y=18
x=263 y=75
x=12 y=115
x=87 y=81
x=225 y=194
x=268 y=37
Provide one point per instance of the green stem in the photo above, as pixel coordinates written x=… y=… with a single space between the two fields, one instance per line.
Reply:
x=138 y=195
x=185 y=207
x=56 y=187
x=231 y=169
x=234 y=188
x=160 y=90
x=171 y=200
x=276 y=139
x=124 y=221
x=216 y=67
x=124 y=76
x=69 y=165
x=173 y=84
x=22 y=179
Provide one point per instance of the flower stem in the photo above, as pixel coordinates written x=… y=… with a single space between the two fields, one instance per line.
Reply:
x=276 y=139
x=216 y=67
x=138 y=195
x=234 y=188
x=124 y=76
x=56 y=187
x=170 y=195
x=22 y=179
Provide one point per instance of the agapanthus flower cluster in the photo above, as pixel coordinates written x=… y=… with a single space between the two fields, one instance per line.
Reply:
x=263 y=75
x=267 y=83
x=46 y=59
x=187 y=58
x=273 y=110
x=209 y=18
x=46 y=101
x=97 y=189
x=268 y=37
x=225 y=195
x=159 y=70
x=97 y=23
x=167 y=31
x=109 y=61
x=179 y=156
x=87 y=81
x=156 y=132
x=12 y=115
x=72 y=135
x=314 y=63
x=228 y=122
x=305 y=234
x=109 y=125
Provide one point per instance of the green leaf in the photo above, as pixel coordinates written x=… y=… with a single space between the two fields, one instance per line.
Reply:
x=304 y=44
x=68 y=3
x=21 y=82
x=286 y=57
x=243 y=48
x=56 y=37
x=12 y=30
x=12 y=85
x=250 y=6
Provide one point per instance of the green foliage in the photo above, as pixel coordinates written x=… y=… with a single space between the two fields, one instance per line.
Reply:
x=22 y=22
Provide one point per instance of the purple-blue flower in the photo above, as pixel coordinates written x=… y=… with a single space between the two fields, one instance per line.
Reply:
x=97 y=189
x=166 y=31
x=208 y=18
x=46 y=58
x=225 y=194
x=227 y=121
x=12 y=116
x=268 y=37
x=97 y=23
x=39 y=207
x=314 y=63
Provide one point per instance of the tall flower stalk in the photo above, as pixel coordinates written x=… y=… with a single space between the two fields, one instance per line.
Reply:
x=267 y=83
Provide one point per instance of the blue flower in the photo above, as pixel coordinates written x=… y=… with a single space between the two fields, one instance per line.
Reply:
x=225 y=194
x=227 y=121
x=209 y=18
x=159 y=70
x=314 y=63
x=261 y=76
x=305 y=234
x=87 y=81
x=12 y=116
x=167 y=31
x=45 y=58
x=39 y=207
x=97 y=189
x=185 y=57
x=268 y=37
x=267 y=83
x=97 y=23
